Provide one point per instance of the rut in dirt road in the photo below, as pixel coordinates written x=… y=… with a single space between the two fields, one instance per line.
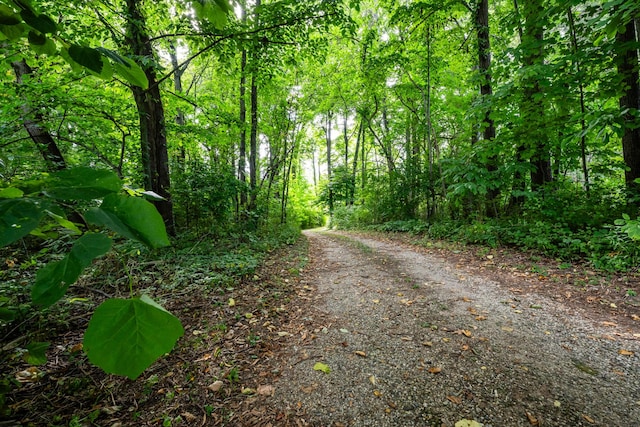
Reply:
x=412 y=341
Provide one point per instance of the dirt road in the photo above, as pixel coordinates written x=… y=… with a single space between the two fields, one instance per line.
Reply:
x=409 y=339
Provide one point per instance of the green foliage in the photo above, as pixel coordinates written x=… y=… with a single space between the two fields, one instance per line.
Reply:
x=130 y=217
x=350 y=217
x=21 y=20
x=124 y=337
x=204 y=194
x=150 y=330
x=54 y=279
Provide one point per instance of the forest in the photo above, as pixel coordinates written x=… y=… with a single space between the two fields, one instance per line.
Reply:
x=208 y=133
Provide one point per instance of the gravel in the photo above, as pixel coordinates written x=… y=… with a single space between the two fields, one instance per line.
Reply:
x=412 y=340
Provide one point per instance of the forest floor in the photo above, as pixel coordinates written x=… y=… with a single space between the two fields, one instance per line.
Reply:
x=347 y=329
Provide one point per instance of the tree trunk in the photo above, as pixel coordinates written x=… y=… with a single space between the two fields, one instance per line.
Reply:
x=32 y=120
x=484 y=65
x=328 y=140
x=153 y=135
x=627 y=63
x=533 y=108
x=242 y=155
x=253 y=137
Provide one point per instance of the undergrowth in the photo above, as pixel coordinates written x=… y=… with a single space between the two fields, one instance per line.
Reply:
x=608 y=248
x=204 y=264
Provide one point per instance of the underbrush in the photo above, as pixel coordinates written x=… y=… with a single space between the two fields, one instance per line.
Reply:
x=194 y=265
x=608 y=248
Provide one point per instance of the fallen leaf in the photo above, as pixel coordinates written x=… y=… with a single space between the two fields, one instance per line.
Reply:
x=466 y=299
x=612 y=305
x=310 y=389
x=232 y=302
x=283 y=334
x=626 y=352
x=110 y=410
x=266 y=390
x=465 y=347
x=216 y=386
x=376 y=301
x=206 y=356
x=454 y=399
x=435 y=370
x=377 y=393
x=372 y=379
x=248 y=391
x=635 y=317
x=360 y=353
x=532 y=420
x=557 y=403
x=468 y=423
x=611 y=324
x=29 y=375
x=188 y=416
x=344 y=331
x=427 y=344
x=507 y=329
x=588 y=419
x=319 y=366
x=446 y=339
x=480 y=318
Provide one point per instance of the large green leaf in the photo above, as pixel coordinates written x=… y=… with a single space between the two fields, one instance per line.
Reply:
x=17 y=218
x=8 y=17
x=41 y=22
x=82 y=183
x=91 y=59
x=53 y=280
x=131 y=217
x=125 y=337
x=126 y=68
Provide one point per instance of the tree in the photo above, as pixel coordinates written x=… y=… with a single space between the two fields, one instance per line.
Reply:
x=153 y=132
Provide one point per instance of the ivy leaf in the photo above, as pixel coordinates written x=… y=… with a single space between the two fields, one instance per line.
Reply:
x=82 y=183
x=131 y=217
x=126 y=68
x=18 y=217
x=125 y=337
x=53 y=280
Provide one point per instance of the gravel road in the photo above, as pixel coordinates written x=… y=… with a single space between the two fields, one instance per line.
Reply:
x=412 y=340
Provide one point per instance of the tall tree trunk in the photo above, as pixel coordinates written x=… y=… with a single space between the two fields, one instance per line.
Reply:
x=153 y=134
x=627 y=63
x=583 y=125
x=484 y=65
x=327 y=132
x=516 y=200
x=242 y=154
x=33 y=122
x=533 y=108
x=253 y=137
